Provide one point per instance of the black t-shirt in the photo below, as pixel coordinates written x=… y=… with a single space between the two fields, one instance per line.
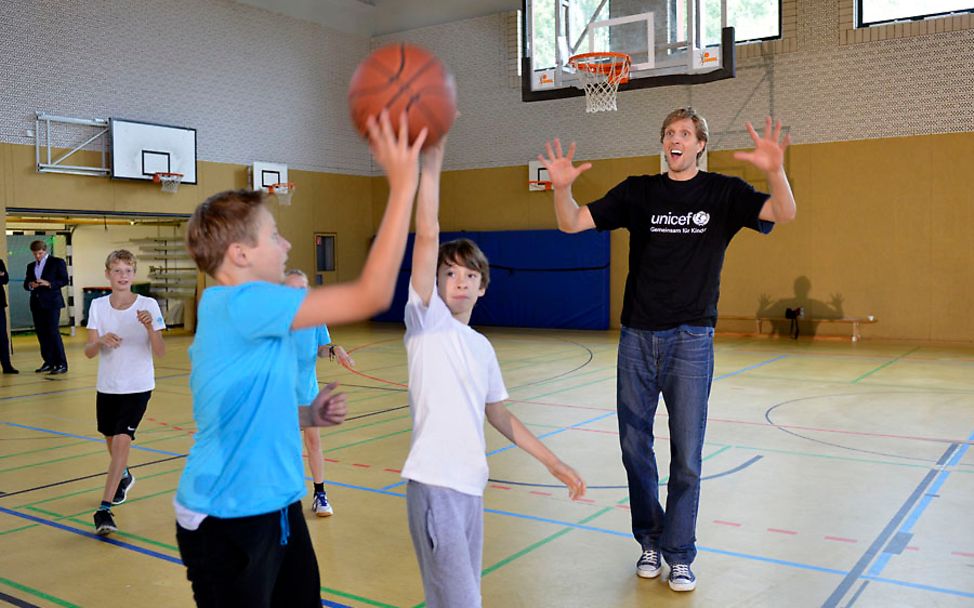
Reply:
x=678 y=232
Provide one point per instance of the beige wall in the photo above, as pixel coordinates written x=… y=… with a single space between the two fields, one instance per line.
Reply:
x=883 y=223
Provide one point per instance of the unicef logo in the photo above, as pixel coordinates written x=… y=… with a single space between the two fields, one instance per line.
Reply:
x=700 y=218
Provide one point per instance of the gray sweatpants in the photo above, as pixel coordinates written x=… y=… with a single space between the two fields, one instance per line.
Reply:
x=448 y=535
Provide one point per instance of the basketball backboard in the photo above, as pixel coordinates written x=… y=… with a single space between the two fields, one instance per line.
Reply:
x=669 y=42
x=141 y=149
x=264 y=174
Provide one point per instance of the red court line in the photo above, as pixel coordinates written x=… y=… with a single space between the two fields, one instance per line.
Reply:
x=727 y=523
x=841 y=539
x=497 y=487
x=662 y=414
x=912 y=548
x=550 y=404
x=962 y=553
x=780 y=531
x=540 y=493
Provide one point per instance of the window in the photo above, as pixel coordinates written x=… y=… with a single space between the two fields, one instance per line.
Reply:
x=544 y=39
x=752 y=20
x=875 y=12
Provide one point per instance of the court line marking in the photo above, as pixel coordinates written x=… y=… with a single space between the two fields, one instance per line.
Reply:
x=885 y=365
x=904 y=533
x=25 y=604
x=860 y=566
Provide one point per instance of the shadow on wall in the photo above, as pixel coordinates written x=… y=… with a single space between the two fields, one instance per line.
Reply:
x=809 y=310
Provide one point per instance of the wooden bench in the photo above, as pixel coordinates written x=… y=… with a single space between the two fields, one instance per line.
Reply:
x=856 y=322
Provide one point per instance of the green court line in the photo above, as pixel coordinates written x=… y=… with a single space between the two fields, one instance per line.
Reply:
x=885 y=365
x=92 y=489
x=563 y=531
x=362 y=426
x=57 y=447
x=364 y=441
x=904 y=387
x=571 y=388
x=357 y=598
x=86 y=454
x=88 y=524
x=931 y=465
x=38 y=593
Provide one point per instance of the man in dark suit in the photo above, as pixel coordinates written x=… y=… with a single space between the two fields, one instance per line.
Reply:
x=45 y=278
x=8 y=368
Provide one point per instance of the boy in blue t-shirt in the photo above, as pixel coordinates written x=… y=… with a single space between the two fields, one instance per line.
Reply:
x=240 y=530
x=310 y=344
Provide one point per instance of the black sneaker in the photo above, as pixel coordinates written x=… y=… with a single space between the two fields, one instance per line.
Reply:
x=649 y=564
x=104 y=522
x=123 y=489
x=682 y=578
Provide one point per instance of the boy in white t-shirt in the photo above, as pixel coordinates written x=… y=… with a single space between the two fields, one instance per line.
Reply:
x=125 y=328
x=454 y=380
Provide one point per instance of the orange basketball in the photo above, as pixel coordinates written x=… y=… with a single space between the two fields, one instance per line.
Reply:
x=401 y=77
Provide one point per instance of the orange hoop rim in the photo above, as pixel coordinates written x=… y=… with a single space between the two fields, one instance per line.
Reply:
x=160 y=175
x=541 y=182
x=286 y=186
x=613 y=64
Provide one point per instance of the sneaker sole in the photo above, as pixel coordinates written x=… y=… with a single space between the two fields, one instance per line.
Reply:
x=324 y=513
x=125 y=494
x=105 y=530
x=683 y=586
x=648 y=573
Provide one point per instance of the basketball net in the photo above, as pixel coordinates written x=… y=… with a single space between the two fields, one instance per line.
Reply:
x=170 y=181
x=599 y=75
x=283 y=192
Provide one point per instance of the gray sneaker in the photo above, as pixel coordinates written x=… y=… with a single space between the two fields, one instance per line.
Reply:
x=649 y=564
x=123 y=489
x=682 y=578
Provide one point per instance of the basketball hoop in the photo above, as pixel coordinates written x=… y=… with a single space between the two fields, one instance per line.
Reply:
x=170 y=181
x=600 y=75
x=283 y=192
x=539 y=185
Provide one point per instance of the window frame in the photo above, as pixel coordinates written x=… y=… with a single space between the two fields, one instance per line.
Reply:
x=859 y=23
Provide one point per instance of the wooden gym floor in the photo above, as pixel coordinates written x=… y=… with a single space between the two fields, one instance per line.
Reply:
x=836 y=474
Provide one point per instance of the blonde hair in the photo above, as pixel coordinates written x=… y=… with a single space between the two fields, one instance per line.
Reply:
x=219 y=221
x=120 y=255
x=702 y=131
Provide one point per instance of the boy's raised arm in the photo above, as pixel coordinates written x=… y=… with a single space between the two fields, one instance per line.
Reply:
x=372 y=291
x=427 y=244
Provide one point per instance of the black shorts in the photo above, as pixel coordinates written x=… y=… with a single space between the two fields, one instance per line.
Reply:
x=241 y=562
x=120 y=414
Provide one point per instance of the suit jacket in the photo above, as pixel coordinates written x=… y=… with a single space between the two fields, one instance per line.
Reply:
x=56 y=273
x=4 y=279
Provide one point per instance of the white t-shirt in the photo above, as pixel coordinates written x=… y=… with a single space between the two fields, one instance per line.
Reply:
x=453 y=374
x=128 y=368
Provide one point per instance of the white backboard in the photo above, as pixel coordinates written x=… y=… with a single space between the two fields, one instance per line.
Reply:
x=141 y=149
x=264 y=174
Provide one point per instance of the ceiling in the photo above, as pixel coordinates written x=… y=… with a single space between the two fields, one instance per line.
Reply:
x=380 y=17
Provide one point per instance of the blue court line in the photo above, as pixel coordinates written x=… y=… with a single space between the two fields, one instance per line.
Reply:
x=94 y=439
x=92 y=535
x=121 y=544
x=905 y=531
x=859 y=569
x=750 y=367
x=76 y=389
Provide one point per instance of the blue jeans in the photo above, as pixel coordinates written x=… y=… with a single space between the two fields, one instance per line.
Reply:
x=679 y=363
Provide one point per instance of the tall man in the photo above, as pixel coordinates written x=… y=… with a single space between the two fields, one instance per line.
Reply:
x=680 y=223
x=45 y=278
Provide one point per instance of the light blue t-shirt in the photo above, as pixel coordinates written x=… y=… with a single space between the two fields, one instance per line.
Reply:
x=246 y=459
x=306 y=343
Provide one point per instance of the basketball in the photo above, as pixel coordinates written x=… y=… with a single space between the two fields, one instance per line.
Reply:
x=403 y=77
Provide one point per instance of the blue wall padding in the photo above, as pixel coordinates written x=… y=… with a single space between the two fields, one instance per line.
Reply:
x=538 y=278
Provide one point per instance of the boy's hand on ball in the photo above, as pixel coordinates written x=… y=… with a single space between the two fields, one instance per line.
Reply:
x=329 y=408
